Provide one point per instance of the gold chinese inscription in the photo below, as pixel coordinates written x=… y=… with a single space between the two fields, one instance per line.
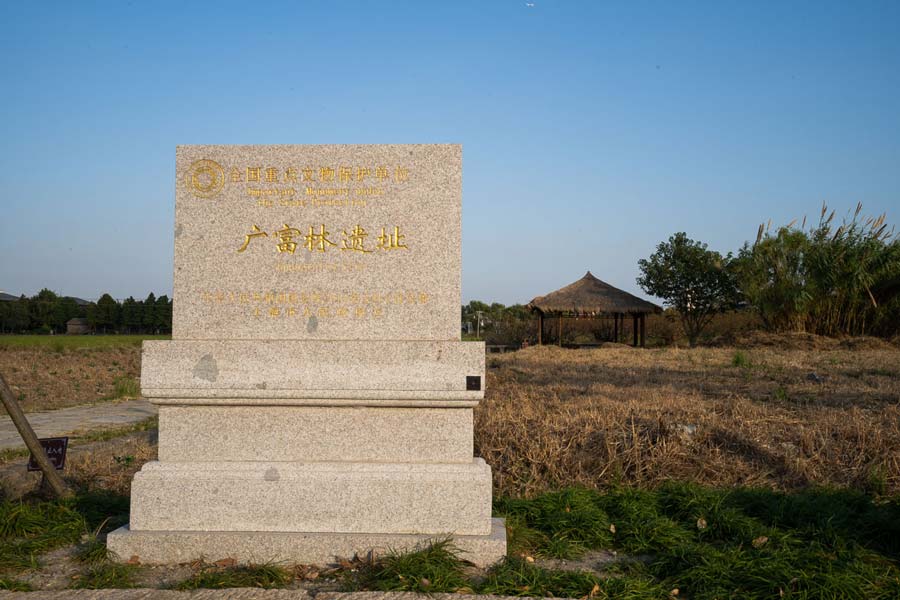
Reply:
x=206 y=179
x=340 y=305
x=319 y=239
x=256 y=232
x=318 y=174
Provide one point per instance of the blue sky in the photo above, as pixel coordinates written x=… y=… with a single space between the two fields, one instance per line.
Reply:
x=591 y=131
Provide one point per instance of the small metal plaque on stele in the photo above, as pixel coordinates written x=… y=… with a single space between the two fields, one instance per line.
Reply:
x=55 y=448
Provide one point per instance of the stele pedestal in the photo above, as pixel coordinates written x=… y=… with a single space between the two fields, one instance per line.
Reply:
x=315 y=400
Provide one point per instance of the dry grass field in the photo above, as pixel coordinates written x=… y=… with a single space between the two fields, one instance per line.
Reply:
x=778 y=411
x=782 y=412
x=49 y=377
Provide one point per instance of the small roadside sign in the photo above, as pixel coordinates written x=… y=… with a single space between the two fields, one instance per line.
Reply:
x=55 y=448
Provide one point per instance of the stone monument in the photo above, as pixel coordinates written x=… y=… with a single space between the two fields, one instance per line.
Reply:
x=315 y=400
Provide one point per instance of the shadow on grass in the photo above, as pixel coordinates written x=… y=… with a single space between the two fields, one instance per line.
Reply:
x=709 y=543
x=780 y=385
x=832 y=515
x=268 y=576
x=31 y=527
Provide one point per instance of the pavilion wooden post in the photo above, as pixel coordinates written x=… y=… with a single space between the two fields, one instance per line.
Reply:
x=643 y=330
x=540 y=328
x=634 y=330
x=616 y=327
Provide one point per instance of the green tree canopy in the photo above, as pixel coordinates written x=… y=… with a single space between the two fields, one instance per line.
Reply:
x=828 y=280
x=690 y=278
x=106 y=314
x=148 y=317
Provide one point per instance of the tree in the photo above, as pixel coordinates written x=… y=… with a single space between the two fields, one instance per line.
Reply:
x=131 y=315
x=106 y=314
x=66 y=308
x=18 y=317
x=93 y=315
x=148 y=324
x=43 y=307
x=772 y=275
x=695 y=281
x=828 y=280
x=164 y=314
x=470 y=313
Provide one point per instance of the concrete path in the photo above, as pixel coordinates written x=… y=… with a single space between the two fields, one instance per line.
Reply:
x=65 y=421
x=233 y=594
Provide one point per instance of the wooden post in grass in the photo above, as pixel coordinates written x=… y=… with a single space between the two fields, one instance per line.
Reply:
x=51 y=477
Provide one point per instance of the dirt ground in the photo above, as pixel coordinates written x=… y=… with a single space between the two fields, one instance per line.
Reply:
x=46 y=379
x=778 y=411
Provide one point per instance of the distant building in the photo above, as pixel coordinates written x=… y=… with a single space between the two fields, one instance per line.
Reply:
x=77 y=326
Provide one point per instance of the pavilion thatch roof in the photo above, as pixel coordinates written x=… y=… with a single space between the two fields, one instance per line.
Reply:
x=589 y=296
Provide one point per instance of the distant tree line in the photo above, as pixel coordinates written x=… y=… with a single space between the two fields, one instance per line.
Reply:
x=834 y=280
x=496 y=322
x=47 y=312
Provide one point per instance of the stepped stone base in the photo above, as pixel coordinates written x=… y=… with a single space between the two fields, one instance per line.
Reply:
x=395 y=498
x=168 y=547
x=307 y=434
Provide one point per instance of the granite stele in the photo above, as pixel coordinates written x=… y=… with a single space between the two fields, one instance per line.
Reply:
x=315 y=400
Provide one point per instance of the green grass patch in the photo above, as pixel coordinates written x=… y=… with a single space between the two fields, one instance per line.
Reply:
x=106 y=575
x=12 y=454
x=517 y=577
x=61 y=343
x=246 y=576
x=740 y=360
x=126 y=387
x=432 y=569
x=706 y=543
x=640 y=524
x=560 y=524
x=14 y=585
x=103 y=435
x=93 y=552
x=29 y=529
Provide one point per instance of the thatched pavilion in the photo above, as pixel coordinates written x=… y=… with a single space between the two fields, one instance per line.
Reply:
x=591 y=298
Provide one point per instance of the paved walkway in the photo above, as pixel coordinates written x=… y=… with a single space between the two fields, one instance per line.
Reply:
x=65 y=421
x=235 y=594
